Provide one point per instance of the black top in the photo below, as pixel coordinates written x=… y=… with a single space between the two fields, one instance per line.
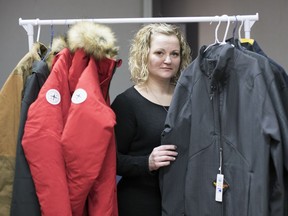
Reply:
x=140 y=123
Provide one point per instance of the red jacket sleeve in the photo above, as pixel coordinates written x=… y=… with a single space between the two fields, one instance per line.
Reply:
x=89 y=148
x=41 y=140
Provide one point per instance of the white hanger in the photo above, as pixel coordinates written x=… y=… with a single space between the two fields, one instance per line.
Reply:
x=39 y=29
x=239 y=29
x=216 y=36
x=227 y=28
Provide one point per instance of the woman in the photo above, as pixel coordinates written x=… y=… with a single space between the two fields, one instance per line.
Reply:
x=157 y=55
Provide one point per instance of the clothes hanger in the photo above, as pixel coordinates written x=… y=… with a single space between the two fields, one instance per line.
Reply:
x=52 y=34
x=235 y=27
x=239 y=29
x=40 y=51
x=215 y=35
x=226 y=30
x=68 y=27
x=234 y=41
x=216 y=32
x=39 y=30
x=244 y=40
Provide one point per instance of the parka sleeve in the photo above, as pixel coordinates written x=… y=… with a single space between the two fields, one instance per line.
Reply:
x=89 y=148
x=41 y=140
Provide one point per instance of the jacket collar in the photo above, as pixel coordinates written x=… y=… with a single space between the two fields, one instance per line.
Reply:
x=215 y=62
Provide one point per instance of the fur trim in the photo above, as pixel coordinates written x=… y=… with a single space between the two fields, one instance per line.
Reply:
x=58 y=44
x=37 y=49
x=95 y=39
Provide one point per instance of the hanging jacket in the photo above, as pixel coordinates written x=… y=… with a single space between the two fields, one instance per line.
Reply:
x=255 y=47
x=48 y=114
x=41 y=139
x=10 y=100
x=279 y=97
x=24 y=200
x=222 y=119
x=88 y=142
x=251 y=47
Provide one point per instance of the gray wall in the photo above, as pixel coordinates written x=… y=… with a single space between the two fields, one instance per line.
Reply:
x=270 y=31
x=14 y=40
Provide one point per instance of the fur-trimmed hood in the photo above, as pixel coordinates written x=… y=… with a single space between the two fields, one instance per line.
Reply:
x=58 y=44
x=95 y=39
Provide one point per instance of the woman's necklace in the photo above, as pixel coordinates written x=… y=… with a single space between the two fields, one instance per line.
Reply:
x=156 y=98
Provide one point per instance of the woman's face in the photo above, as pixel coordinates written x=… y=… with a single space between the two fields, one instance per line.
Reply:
x=164 y=56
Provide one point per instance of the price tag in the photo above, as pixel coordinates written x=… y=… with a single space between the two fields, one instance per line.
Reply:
x=219 y=187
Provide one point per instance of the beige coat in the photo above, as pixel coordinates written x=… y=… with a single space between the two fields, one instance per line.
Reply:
x=10 y=105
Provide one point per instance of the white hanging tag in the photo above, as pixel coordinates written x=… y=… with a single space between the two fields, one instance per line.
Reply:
x=219 y=187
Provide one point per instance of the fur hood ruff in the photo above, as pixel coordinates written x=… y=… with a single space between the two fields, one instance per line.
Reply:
x=95 y=39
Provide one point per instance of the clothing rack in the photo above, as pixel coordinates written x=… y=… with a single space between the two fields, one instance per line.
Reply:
x=248 y=21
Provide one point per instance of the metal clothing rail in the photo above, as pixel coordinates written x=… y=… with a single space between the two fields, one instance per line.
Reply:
x=248 y=21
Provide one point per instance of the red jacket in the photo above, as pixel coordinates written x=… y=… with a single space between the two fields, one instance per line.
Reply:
x=87 y=139
x=88 y=142
x=69 y=141
x=41 y=140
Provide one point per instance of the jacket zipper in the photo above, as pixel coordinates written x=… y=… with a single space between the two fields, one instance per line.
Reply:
x=215 y=99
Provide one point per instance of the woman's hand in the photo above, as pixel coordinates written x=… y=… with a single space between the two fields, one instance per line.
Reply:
x=162 y=156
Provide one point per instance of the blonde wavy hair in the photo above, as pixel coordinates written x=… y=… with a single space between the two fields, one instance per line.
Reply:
x=140 y=46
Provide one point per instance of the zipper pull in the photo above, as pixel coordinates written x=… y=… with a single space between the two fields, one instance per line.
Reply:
x=212 y=90
x=211 y=96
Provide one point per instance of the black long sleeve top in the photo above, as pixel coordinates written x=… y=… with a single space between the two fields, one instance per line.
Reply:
x=140 y=123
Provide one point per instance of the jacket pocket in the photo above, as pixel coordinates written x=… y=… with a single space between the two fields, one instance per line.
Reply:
x=202 y=170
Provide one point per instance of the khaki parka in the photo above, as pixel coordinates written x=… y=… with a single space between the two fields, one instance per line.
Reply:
x=10 y=100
